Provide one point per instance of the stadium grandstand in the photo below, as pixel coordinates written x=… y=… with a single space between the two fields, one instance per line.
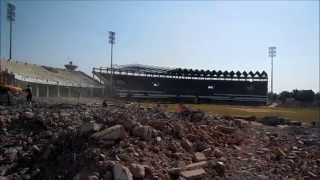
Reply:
x=141 y=81
x=48 y=81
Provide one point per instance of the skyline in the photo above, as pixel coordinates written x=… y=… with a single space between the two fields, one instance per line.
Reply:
x=217 y=35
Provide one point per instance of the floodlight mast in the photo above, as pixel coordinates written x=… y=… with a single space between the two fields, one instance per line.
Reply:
x=11 y=15
x=272 y=53
x=112 y=42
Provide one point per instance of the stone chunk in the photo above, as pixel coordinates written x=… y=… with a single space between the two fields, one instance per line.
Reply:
x=137 y=170
x=93 y=177
x=116 y=132
x=226 y=130
x=193 y=166
x=197 y=165
x=199 y=156
x=4 y=178
x=28 y=115
x=121 y=172
x=219 y=167
x=193 y=174
x=108 y=176
x=217 y=153
x=186 y=144
x=89 y=127
x=144 y=132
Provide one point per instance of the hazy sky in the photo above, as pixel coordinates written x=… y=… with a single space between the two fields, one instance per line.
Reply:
x=221 y=35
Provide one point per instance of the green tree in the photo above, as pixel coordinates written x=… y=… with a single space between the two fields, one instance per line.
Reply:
x=303 y=95
x=284 y=95
x=272 y=96
x=317 y=98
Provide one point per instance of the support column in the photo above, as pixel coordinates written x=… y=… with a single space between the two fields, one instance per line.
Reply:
x=58 y=89
x=91 y=91
x=37 y=90
x=47 y=90
x=69 y=91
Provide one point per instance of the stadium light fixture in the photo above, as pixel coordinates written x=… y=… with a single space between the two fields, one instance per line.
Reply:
x=112 y=42
x=272 y=54
x=11 y=15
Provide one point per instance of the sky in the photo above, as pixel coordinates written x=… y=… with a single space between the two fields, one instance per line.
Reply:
x=215 y=35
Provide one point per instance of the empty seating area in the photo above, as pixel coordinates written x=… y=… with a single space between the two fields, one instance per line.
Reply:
x=179 y=82
x=47 y=75
x=188 y=86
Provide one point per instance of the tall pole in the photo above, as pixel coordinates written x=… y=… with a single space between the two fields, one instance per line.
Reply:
x=271 y=74
x=111 y=65
x=111 y=41
x=10 y=42
x=272 y=53
x=11 y=15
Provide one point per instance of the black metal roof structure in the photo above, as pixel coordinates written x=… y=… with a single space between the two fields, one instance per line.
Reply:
x=138 y=69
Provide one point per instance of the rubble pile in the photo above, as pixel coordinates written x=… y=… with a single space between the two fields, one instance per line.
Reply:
x=130 y=142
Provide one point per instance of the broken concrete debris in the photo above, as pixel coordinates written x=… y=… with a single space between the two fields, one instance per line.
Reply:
x=199 y=156
x=116 y=132
x=193 y=174
x=144 y=132
x=121 y=141
x=121 y=172
x=137 y=170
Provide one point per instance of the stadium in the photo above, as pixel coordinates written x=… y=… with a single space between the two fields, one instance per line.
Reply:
x=138 y=81
x=141 y=81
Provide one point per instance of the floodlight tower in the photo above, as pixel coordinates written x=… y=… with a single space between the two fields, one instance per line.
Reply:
x=112 y=42
x=11 y=15
x=272 y=53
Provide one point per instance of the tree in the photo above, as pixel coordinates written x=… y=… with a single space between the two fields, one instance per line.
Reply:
x=317 y=98
x=303 y=95
x=272 y=96
x=284 y=95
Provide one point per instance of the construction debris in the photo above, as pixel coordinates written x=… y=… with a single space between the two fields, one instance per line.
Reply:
x=120 y=141
x=193 y=174
x=113 y=133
